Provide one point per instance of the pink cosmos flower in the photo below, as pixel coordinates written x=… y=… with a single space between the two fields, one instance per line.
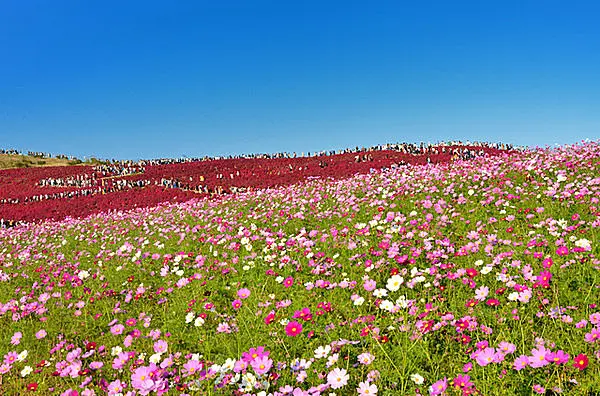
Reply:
x=243 y=293
x=366 y=389
x=521 y=362
x=593 y=335
x=370 y=285
x=481 y=293
x=438 y=387
x=303 y=314
x=240 y=366
x=40 y=334
x=558 y=357
x=236 y=304
x=485 y=356
x=115 y=388
x=143 y=379
x=16 y=338
x=270 y=317
x=96 y=365
x=538 y=358
x=506 y=347
x=547 y=263
x=120 y=360
x=160 y=346
x=261 y=365
x=11 y=357
x=223 y=328
x=117 y=329
x=191 y=367
x=366 y=358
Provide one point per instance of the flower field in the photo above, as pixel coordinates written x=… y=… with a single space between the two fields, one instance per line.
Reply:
x=476 y=277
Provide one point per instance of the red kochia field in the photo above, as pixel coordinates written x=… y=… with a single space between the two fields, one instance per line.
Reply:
x=22 y=184
x=478 y=277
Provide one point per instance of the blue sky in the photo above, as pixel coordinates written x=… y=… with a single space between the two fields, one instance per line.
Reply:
x=133 y=79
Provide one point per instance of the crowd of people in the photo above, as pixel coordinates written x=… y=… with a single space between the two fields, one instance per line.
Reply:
x=81 y=180
x=121 y=168
x=106 y=188
x=9 y=223
x=197 y=188
x=97 y=177
x=407 y=148
x=37 y=154
x=10 y=152
x=57 y=195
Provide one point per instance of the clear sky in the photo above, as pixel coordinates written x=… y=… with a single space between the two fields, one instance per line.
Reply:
x=141 y=79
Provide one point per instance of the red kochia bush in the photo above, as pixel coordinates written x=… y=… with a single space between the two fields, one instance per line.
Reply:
x=213 y=174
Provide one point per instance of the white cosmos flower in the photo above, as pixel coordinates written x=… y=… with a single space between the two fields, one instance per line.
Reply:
x=331 y=360
x=26 y=371
x=116 y=350
x=359 y=301
x=322 y=351
x=83 y=275
x=486 y=270
x=417 y=379
x=402 y=302
x=228 y=365
x=249 y=379
x=155 y=358
x=583 y=243
x=386 y=305
x=393 y=284
x=189 y=317
x=22 y=356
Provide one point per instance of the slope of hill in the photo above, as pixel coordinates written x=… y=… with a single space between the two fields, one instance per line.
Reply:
x=474 y=277
x=10 y=161
x=57 y=192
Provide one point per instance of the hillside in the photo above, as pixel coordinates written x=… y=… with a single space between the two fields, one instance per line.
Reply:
x=473 y=277
x=33 y=194
x=11 y=161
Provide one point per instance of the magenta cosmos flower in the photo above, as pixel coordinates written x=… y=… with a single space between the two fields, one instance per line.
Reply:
x=288 y=282
x=581 y=361
x=254 y=353
x=292 y=329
